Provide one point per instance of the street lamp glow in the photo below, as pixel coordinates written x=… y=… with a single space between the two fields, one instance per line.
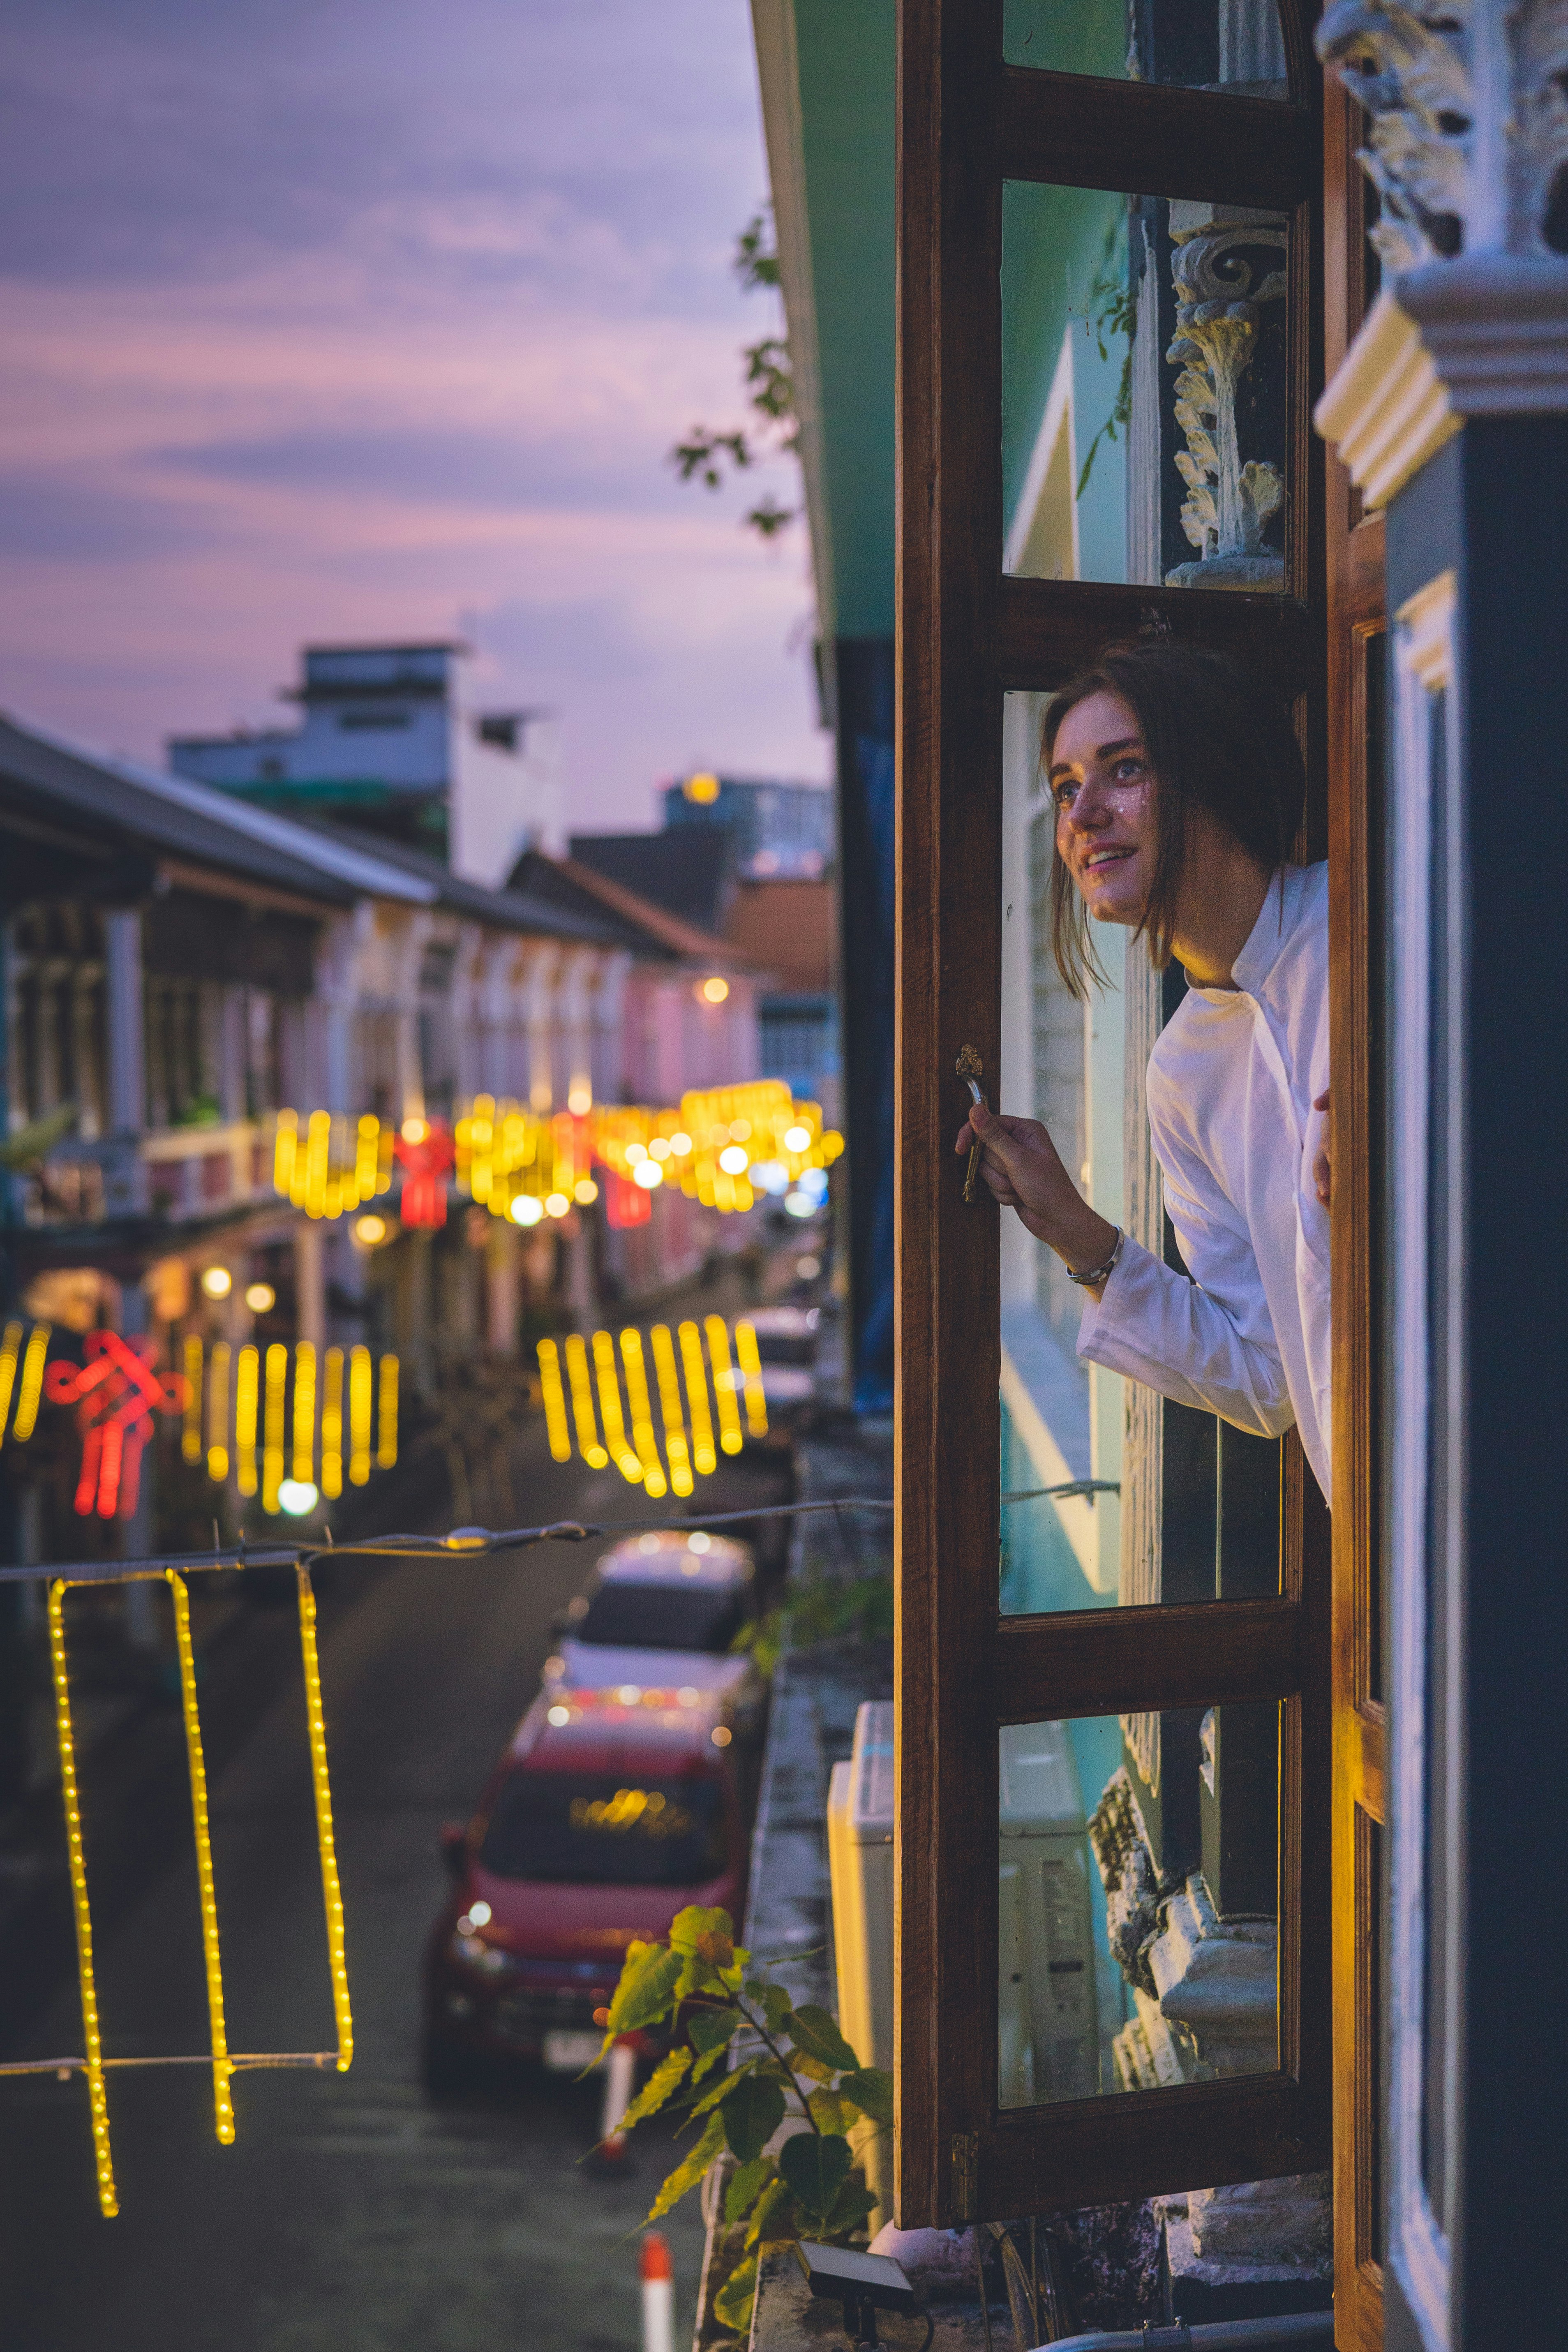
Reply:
x=217 y=1281
x=526 y=1210
x=260 y=1297
x=715 y=991
x=298 y=1495
x=797 y=1139
x=649 y=1175
x=680 y=1145
x=732 y=1160
x=369 y=1230
x=586 y=1191
x=557 y=1204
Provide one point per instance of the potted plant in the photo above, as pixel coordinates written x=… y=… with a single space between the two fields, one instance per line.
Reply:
x=745 y=2062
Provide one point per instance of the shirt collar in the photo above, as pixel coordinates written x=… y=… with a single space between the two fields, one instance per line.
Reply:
x=1270 y=935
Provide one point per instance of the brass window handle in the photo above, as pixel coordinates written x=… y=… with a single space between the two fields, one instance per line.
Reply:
x=970 y=1066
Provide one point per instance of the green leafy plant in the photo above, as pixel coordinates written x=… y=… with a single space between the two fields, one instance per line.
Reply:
x=1112 y=313
x=769 y=383
x=703 y=1986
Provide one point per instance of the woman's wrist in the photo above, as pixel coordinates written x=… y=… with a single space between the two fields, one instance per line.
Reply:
x=1082 y=1241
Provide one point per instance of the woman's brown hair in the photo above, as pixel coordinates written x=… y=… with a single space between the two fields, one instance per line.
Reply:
x=1214 y=740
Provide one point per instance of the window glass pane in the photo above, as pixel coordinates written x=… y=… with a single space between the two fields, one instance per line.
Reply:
x=1143 y=389
x=1170 y=1505
x=1137 y=1902
x=1234 y=45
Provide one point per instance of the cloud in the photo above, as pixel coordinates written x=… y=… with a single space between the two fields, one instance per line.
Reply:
x=377 y=318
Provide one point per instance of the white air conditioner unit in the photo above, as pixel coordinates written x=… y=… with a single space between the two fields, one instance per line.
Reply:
x=1047 y=2004
x=860 y=1866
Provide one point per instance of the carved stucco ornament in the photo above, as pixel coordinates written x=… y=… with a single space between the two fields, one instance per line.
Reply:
x=1469 y=144
x=1230 y=499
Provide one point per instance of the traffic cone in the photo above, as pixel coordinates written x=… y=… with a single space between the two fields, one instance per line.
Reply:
x=658 y=2293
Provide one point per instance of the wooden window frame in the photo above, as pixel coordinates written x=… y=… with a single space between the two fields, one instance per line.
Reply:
x=1354 y=543
x=966 y=634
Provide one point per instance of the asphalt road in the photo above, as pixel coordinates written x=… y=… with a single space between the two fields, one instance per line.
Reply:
x=349 y=2213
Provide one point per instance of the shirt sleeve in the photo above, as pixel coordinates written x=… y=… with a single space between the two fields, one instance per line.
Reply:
x=1208 y=1341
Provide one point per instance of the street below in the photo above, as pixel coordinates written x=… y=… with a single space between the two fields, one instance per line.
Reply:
x=350 y=2213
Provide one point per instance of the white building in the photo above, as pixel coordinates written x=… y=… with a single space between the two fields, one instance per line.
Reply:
x=387 y=742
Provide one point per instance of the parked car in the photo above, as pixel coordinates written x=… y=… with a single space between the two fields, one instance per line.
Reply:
x=665 y=1611
x=787 y=1351
x=606 y=1816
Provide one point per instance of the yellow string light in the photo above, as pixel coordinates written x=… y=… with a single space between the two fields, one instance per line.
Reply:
x=277 y=1375
x=191 y=1434
x=246 y=1399
x=10 y=1346
x=555 y=1396
x=654 y=1481
x=332 y=1891
x=285 y=1152
x=304 y=1413
x=729 y=1436
x=386 y=1415
x=217 y=1412
x=332 y=1424
x=33 y=1363
x=703 y=1457
x=750 y=1365
x=97 y=2100
x=367 y=1158
x=592 y=1452
x=675 y=1445
x=223 y=2072
x=615 y=1426
x=359 y=1416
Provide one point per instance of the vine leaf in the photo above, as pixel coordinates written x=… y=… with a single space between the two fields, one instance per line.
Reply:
x=752 y=2111
x=816 y=2033
x=746 y=2185
x=666 y=2078
x=687 y=2173
x=816 y=2170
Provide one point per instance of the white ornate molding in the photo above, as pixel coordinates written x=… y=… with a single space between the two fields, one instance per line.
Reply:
x=1218 y=298
x=1468 y=151
x=1386 y=411
x=1496 y=326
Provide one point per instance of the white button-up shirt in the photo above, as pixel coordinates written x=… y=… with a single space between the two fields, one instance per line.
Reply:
x=1232 y=1081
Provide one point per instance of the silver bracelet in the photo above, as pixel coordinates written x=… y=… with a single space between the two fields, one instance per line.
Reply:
x=1100 y=1273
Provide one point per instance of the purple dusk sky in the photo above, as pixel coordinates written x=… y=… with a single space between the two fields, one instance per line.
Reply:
x=341 y=319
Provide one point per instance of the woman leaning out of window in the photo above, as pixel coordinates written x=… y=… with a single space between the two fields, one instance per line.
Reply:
x=1178 y=791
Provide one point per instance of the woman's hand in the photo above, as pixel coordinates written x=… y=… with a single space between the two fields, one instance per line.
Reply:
x=1023 y=1169
x=1323 y=1160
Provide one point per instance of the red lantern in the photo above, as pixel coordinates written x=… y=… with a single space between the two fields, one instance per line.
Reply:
x=115 y=1392
x=426 y=1153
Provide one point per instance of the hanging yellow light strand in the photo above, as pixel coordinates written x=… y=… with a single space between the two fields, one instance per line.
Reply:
x=359 y=1416
x=654 y=1482
x=332 y=1891
x=32 y=1382
x=191 y=1435
x=675 y=1447
x=217 y=1414
x=9 y=1348
x=560 y=1435
x=386 y=1415
x=750 y=1365
x=304 y=1413
x=97 y=2100
x=592 y=1452
x=332 y=1424
x=246 y=1397
x=729 y=1436
x=276 y=1368
x=223 y=2072
x=625 y=1460
x=704 y=1459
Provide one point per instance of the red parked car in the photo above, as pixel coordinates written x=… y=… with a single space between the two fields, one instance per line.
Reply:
x=601 y=1822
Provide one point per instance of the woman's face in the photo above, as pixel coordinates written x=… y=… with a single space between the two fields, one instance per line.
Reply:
x=1104 y=792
